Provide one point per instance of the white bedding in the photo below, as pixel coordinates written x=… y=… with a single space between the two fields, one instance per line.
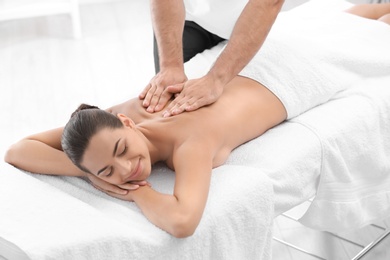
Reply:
x=354 y=130
x=66 y=218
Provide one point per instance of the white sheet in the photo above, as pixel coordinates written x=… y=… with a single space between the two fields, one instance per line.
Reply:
x=355 y=173
x=66 y=218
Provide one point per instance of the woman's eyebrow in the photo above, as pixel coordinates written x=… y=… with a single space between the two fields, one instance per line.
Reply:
x=113 y=154
x=116 y=147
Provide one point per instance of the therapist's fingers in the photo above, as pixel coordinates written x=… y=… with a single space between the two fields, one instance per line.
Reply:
x=194 y=94
x=142 y=95
x=184 y=103
x=153 y=96
x=167 y=95
x=161 y=103
x=178 y=106
x=175 y=89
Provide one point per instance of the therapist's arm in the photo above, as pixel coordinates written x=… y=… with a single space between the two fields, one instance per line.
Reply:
x=168 y=24
x=249 y=34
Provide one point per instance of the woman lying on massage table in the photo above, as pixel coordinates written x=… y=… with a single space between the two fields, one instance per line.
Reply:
x=116 y=148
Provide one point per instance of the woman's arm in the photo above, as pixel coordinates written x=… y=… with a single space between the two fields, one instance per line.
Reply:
x=42 y=153
x=178 y=214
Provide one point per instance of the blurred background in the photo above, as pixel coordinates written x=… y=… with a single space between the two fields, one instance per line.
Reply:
x=46 y=70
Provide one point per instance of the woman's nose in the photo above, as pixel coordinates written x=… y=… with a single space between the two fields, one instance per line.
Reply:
x=124 y=168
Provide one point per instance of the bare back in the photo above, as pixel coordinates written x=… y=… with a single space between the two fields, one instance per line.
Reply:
x=245 y=110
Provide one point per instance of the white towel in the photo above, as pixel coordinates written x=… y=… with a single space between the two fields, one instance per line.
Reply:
x=355 y=177
x=66 y=218
x=290 y=155
x=306 y=61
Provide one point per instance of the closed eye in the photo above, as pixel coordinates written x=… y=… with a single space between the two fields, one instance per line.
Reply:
x=112 y=168
x=124 y=151
x=110 y=173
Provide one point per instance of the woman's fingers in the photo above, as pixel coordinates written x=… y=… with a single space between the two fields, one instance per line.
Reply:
x=134 y=185
x=129 y=186
x=142 y=183
x=105 y=186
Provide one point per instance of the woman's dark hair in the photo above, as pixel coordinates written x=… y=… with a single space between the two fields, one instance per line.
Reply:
x=84 y=123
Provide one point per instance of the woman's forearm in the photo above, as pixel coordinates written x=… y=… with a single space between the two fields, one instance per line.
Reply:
x=166 y=211
x=37 y=157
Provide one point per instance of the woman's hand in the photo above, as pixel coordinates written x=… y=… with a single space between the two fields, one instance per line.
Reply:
x=115 y=190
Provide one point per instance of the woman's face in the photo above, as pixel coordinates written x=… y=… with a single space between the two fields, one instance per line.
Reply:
x=118 y=155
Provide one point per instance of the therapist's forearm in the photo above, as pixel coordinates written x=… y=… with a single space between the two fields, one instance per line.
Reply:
x=249 y=34
x=168 y=23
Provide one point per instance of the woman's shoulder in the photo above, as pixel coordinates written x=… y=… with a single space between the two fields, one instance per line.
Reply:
x=133 y=109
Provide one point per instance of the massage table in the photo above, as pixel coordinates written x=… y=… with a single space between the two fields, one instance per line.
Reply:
x=337 y=153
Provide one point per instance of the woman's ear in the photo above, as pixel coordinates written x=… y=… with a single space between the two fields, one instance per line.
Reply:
x=126 y=121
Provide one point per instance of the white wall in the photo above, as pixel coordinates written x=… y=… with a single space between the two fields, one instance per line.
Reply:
x=288 y=3
x=99 y=1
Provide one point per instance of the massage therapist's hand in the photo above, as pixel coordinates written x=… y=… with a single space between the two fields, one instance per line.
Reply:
x=193 y=94
x=115 y=189
x=155 y=96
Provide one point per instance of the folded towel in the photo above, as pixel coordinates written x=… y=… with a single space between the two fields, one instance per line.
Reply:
x=306 y=61
x=66 y=218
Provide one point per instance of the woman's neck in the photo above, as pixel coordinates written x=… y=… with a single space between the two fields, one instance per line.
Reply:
x=160 y=149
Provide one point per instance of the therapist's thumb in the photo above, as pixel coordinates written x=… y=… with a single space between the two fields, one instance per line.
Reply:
x=174 y=89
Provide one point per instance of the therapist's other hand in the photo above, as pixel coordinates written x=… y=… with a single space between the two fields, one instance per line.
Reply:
x=192 y=95
x=154 y=95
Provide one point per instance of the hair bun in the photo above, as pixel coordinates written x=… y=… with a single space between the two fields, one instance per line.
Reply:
x=83 y=107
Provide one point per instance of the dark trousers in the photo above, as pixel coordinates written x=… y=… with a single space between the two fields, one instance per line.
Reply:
x=195 y=40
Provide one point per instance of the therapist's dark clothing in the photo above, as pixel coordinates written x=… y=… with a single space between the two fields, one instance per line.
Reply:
x=195 y=40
